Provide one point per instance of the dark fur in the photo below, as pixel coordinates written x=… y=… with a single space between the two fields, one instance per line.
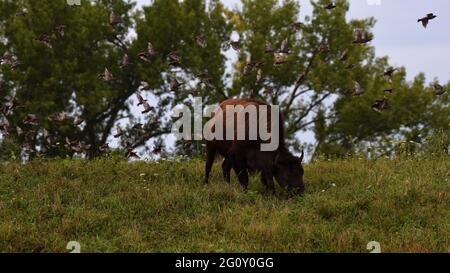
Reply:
x=244 y=156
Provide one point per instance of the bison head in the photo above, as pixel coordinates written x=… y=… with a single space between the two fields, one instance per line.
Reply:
x=288 y=170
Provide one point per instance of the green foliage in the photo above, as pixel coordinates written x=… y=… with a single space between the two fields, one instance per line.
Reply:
x=314 y=87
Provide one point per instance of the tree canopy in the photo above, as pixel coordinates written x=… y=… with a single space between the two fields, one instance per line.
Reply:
x=71 y=75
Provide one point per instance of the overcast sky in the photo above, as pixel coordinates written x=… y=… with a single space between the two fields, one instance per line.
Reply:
x=399 y=36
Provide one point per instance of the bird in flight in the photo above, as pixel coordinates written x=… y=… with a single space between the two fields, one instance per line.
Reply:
x=425 y=20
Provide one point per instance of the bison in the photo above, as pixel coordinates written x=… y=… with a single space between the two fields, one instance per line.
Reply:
x=245 y=155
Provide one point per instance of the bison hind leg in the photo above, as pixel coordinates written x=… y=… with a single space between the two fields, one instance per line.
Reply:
x=210 y=155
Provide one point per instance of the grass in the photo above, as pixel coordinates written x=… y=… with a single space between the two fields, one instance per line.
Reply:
x=110 y=205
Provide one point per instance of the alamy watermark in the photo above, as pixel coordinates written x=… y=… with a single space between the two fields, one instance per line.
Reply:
x=234 y=122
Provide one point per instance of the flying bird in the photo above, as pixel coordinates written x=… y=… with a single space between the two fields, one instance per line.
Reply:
x=145 y=86
x=119 y=133
x=439 y=89
x=280 y=58
x=201 y=41
x=78 y=121
x=269 y=48
x=251 y=66
x=125 y=62
x=147 y=108
x=236 y=45
x=175 y=84
x=389 y=73
x=330 y=6
x=31 y=119
x=140 y=99
x=284 y=48
x=45 y=39
x=425 y=20
x=362 y=37
x=206 y=79
x=107 y=76
x=358 y=90
x=61 y=30
x=389 y=90
x=174 y=58
x=113 y=19
x=380 y=105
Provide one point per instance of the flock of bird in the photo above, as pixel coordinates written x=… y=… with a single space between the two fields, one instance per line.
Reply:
x=30 y=130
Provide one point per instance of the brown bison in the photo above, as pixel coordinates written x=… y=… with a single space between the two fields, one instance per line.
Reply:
x=244 y=155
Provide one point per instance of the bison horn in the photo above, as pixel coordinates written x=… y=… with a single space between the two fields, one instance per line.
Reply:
x=301 y=157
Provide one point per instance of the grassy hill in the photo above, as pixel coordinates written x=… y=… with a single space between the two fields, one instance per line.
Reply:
x=111 y=206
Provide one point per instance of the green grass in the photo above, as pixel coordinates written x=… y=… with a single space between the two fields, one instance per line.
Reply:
x=112 y=206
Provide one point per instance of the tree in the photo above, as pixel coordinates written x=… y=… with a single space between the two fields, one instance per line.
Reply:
x=53 y=54
x=60 y=73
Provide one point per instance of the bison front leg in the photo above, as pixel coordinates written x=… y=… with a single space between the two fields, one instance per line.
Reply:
x=226 y=169
x=267 y=180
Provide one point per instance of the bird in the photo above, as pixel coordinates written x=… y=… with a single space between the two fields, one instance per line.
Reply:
x=157 y=149
x=45 y=39
x=201 y=41
x=280 y=58
x=119 y=133
x=113 y=21
x=296 y=26
x=145 y=86
x=4 y=128
x=380 y=105
x=206 y=79
x=259 y=76
x=106 y=76
x=151 y=49
x=175 y=84
x=61 y=30
x=140 y=99
x=78 y=121
x=22 y=13
x=362 y=37
x=153 y=121
x=137 y=126
x=439 y=89
x=350 y=66
x=251 y=66
x=19 y=131
x=389 y=90
x=358 y=90
x=174 y=58
x=425 y=20
x=147 y=108
x=330 y=5
x=125 y=62
x=104 y=148
x=146 y=55
x=31 y=119
x=324 y=48
x=58 y=117
x=268 y=90
x=343 y=56
x=132 y=154
x=269 y=48
x=236 y=45
x=284 y=48
x=389 y=73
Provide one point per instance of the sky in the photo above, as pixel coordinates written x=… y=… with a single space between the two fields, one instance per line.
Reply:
x=398 y=35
